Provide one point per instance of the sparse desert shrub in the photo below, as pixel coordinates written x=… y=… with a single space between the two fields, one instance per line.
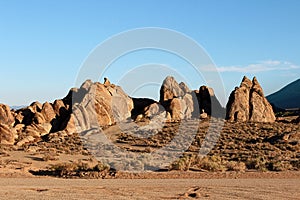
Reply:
x=235 y=166
x=279 y=166
x=76 y=169
x=183 y=163
x=258 y=163
x=100 y=167
x=212 y=163
x=296 y=164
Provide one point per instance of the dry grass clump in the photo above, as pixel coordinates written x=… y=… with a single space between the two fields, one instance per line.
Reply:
x=280 y=166
x=258 y=163
x=235 y=166
x=209 y=163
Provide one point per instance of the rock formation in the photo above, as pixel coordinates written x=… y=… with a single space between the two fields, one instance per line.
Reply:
x=247 y=103
x=105 y=103
x=102 y=104
x=177 y=99
x=7 y=120
x=183 y=103
x=6 y=116
x=170 y=89
x=96 y=104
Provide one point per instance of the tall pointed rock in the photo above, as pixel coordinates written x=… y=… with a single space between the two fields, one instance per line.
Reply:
x=238 y=108
x=260 y=109
x=247 y=103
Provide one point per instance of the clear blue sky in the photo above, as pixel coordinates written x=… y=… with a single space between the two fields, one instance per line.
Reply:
x=44 y=43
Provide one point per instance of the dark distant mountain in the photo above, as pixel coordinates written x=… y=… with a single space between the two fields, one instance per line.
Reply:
x=17 y=107
x=287 y=97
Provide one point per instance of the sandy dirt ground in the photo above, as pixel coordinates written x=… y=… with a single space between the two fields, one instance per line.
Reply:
x=53 y=188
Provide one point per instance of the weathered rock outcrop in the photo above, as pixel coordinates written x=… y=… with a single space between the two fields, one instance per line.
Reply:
x=247 y=103
x=183 y=103
x=178 y=99
x=101 y=104
x=37 y=120
x=7 y=134
x=182 y=108
x=93 y=104
x=6 y=116
x=170 y=89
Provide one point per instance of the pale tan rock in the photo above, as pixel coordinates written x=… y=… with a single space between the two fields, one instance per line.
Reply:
x=19 y=127
x=48 y=112
x=106 y=82
x=153 y=110
x=25 y=140
x=6 y=116
x=36 y=107
x=177 y=99
x=170 y=89
x=139 y=118
x=184 y=87
x=6 y=134
x=39 y=118
x=262 y=110
x=47 y=127
x=19 y=117
x=38 y=130
x=102 y=105
x=59 y=107
x=70 y=127
x=247 y=103
x=238 y=107
x=203 y=114
x=176 y=109
x=168 y=117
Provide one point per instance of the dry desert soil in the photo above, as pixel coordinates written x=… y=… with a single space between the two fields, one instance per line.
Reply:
x=53 y=188
x=249 y=161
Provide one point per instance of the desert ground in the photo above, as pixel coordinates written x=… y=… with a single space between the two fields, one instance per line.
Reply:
x=65 y=169
x=53 y=188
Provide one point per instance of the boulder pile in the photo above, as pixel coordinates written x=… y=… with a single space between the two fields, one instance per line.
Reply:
x=96 y=104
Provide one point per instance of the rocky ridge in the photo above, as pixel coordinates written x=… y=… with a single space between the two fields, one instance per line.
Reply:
x=102 y=105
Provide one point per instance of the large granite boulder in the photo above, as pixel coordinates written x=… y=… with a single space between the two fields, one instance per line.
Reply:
x=177 y=99
x=171 y=89
x=247 y=103
x=48 y=112
x=7 y=135
x=7 y=120
x=6 y=116
x=101 y=104
x=182 y=108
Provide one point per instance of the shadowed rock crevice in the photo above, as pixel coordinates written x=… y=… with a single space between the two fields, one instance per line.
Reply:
x=139 y=106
